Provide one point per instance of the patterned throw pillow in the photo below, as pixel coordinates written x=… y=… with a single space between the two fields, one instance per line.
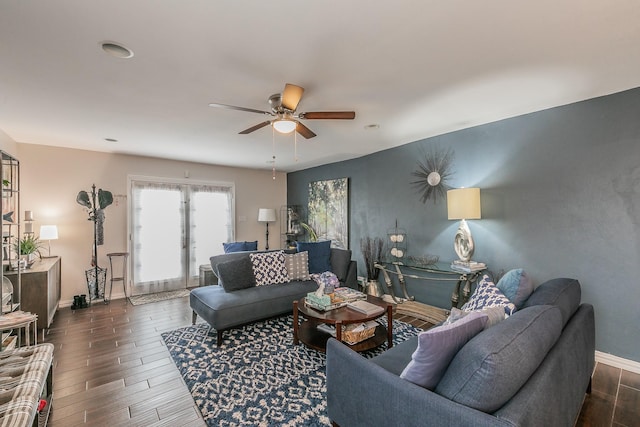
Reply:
x=269 y=268
x=488 y=295
x=298 y=266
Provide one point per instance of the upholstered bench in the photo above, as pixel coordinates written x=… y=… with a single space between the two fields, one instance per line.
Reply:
x=25 y=378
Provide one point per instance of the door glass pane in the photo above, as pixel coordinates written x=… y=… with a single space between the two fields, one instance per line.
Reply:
x=158 y=228
x=211 y=223
x=161 y=234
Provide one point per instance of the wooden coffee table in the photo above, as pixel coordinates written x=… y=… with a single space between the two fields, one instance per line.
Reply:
x=310 y=335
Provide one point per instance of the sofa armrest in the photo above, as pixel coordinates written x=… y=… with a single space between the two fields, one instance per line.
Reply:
x=361 y=393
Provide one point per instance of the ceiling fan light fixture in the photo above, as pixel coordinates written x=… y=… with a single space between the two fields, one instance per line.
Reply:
x=284 y=125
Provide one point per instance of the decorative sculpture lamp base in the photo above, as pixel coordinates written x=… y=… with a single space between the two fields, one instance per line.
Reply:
x=463 y=242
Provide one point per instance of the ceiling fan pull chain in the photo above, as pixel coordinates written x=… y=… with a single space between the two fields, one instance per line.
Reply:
x=273 y=153
x=295 y=146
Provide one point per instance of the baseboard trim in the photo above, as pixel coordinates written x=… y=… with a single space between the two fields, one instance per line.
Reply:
x=618 y=362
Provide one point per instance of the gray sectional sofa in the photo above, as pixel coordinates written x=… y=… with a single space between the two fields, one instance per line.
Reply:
x=532 y=369
x=232 y=305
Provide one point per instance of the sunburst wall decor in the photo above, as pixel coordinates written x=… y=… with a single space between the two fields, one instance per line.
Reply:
x=433 y=174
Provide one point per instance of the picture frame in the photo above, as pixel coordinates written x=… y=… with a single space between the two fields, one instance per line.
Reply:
x=328 y=211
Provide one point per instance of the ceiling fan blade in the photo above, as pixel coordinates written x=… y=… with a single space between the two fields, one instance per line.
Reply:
x=304 y=131
x=291 y=96
x=334 y=115
x=256 y=127
x=233 y=107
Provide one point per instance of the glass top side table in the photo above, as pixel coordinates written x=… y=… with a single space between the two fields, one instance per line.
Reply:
x=437 y=271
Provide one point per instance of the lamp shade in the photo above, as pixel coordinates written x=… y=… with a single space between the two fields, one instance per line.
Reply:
x=266 y=215
x=463 y=203
x=284 y=125
x=48 y=232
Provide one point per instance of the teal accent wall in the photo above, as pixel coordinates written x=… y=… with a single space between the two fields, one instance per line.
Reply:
x=560 y=193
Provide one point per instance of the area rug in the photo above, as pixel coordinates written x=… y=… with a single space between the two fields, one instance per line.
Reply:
x=158 y=296
x=257 y=377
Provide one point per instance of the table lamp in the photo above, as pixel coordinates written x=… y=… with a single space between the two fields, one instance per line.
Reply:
x=463 y=204
x=267 y=216
x=49 y=233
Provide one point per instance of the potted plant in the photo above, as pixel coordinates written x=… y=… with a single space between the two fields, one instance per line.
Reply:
x=372 y=250
x=27 y=247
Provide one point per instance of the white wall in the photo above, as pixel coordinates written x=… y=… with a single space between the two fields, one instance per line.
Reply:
x=7 y=144
x=52 y=177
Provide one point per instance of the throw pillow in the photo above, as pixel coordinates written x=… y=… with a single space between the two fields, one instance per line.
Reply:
x=319 y=255
x=486 y=295
x=269 y=268
x=438 y=346
x=233 y=247
x=298 y=266
x=251 y=246
x=236 y=274
x=494 y=315
x=516 y=285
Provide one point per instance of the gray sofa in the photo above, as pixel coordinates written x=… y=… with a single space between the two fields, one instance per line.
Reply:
x=532 y=369
x=225 y=308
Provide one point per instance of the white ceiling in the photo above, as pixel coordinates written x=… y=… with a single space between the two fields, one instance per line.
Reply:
x=415 y=68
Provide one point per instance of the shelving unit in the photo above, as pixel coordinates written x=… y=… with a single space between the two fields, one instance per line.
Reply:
x=290 y=228
x=10 y=291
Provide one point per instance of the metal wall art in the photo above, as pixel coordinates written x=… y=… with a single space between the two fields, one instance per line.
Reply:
x=432 y=174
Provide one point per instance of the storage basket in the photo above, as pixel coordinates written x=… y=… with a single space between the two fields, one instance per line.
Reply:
x=353 y=337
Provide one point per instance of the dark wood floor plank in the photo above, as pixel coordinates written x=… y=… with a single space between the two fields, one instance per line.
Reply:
x=630 y=379
x=626 y=412
x=606 y=379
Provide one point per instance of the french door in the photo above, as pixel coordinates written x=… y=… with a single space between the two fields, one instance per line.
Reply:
x=175 y=228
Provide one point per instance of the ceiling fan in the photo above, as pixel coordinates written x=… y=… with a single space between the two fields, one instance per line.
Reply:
x=283 y=110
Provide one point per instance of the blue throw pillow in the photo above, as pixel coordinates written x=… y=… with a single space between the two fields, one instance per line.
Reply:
x=233 y=247
x=516 y=285
x=251 y=246
x=438 y=346
x=319 y=255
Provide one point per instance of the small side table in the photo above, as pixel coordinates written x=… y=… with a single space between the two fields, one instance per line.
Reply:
x=123 y=278
x=439 y=271
x=20 y=320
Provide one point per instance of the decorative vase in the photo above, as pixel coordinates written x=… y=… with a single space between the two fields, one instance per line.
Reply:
x=374 y=288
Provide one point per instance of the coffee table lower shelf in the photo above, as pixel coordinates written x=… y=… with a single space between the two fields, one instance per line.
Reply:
x=312 y=337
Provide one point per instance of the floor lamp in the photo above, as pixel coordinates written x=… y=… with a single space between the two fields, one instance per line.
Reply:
x=267 y=216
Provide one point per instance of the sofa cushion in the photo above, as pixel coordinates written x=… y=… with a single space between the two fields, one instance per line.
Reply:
x=251 y=246
x=516 y=285
x=269 y=268
x=298 y=266
x=496 y=363
x=236 y=274
x=562 y=292
x=437 y=346
x=487 y=294
x=240 y=246
x=340 y=260
x=233 y=247
x=319 y=255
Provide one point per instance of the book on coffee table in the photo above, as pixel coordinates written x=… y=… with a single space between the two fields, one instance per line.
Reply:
x=366 y=307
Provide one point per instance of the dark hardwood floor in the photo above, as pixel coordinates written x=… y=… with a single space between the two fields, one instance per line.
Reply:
x=112 y=369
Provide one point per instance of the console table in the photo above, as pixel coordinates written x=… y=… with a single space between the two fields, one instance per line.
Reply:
x=40 y=289
x=439 y=271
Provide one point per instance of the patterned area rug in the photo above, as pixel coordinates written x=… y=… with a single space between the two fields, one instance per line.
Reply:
x=159 y=296
x=257 y=377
